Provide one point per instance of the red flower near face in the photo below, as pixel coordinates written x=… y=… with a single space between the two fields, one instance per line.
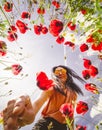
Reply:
x=55 y=27
x=93 y=71
x=22 y=26
x=8 y=6
x=67 y=110
x=16 y=69
x=56 y=4
x=12 y=29
x=41 y=76
x=12 y=37
x=60 y=39
x=97 y=47
x=44 y=30
x=37 y=29
x=81 y=107
x=92 y=88
x=43 y=82
x=80 y=127
x=85 y=74
x=25 y=15
x=87 y=63
x=3 y=48
x=83 y=11
x=41 y=10
x=71 y=26
x=84 y=47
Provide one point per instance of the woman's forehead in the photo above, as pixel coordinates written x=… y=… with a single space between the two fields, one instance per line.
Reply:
x=60 y=68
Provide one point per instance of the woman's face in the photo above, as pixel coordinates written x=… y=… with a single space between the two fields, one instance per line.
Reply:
x=61 y=74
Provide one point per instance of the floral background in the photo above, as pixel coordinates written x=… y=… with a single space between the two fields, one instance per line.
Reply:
x=36 y=35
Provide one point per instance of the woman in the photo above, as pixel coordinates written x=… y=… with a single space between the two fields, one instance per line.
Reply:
x=23 y=112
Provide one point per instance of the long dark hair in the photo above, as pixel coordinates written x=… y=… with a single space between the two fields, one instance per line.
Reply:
x=70 y=82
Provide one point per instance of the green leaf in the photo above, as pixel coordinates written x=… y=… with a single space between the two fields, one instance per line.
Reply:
x=97 y=127
x=7 y=68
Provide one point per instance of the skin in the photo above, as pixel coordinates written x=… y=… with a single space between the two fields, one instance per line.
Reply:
x=24 y=111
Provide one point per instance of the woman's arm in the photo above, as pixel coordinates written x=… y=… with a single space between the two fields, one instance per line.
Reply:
x=45 y=95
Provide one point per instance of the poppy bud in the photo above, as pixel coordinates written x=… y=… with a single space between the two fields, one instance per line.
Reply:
x=84 y=47
x=93 y=71
x=44 y=30
x=37 y=29
x=92 y=88
x=41 y=10
x=16 y=69
x=86 y=63
x=85 y=74
x=60 y=39
x=71 y=26
x=8 y=6
x=25 y=15
x=81 y=107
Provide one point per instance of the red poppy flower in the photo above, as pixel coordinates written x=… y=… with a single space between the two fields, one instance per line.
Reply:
x=71 y=44
x=85 y=74
x=37 y=29
x=41 y=76
x=44 y=30
x=56 y=4
x=67 y=110
x=80 y=127
x=92 y=88
x=16 y=69
x=8 y=6
x=3 y=48
x=90 y=39
x=55 y=27
x=12 y=37
x=84 y=47
x=81 y=107
x=93 y=71
x=2 y=53
x=71 y=26
x=25 y=15
x=41 y=10
x=86 y=63
x=83 y=11
x=12 y=29
x=22 y=26
x=97 y=47
x=43 y=82
x=60 y=39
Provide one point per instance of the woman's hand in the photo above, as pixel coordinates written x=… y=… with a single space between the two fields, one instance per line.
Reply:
x=18 y=113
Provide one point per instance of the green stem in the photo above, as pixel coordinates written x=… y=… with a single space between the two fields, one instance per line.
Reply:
x=97 y=5
x=69 y=123
x=5 y=16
